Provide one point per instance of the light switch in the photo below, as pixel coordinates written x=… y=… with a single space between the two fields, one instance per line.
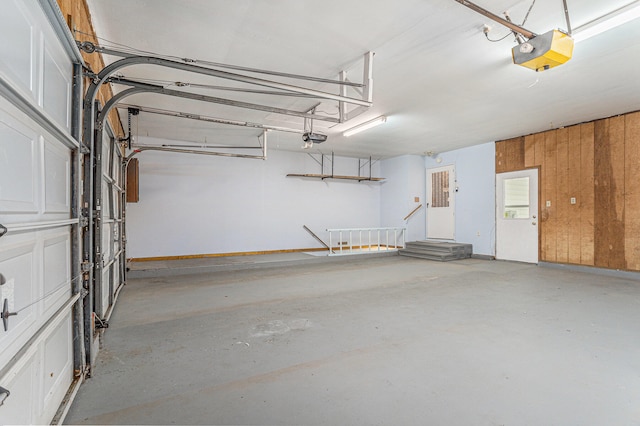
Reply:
x=573 y=200
x=548 y=203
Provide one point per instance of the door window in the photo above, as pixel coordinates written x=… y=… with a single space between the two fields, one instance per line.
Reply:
x=440 y=189
x=516 y=198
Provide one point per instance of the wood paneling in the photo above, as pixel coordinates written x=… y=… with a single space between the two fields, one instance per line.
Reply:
x=133 y=183
x=574 y=163
x=587 y=194
x=76 y=12
x=632 y=191
x=549 y=214
x=510 y=155
x=598 y=165
x=563 y=204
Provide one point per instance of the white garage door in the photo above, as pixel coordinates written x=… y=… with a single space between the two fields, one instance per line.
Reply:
x=36 y=282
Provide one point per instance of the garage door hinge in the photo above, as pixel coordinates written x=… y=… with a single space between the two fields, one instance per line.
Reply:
x=86 y=266
x=101 y=323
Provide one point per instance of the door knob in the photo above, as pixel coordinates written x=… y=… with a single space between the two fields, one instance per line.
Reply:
x=534 y=216
x=533 y=223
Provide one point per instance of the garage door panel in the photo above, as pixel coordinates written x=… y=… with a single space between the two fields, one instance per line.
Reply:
x=57 y=266
x=57 y=85
x=17 y=56
x=22 y=387
x=106 y=276
x=107 y=241
x=57 y=163
x=17 y=263
x=18 y=167
x=57 y=372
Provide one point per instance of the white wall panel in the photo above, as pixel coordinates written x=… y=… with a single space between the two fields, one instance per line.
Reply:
x=199 y=204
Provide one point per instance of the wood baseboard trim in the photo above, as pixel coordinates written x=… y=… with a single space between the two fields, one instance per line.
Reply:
x=208 y=255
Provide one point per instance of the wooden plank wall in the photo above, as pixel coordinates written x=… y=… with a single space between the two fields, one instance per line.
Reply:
x=76 y=12
x=598 y=164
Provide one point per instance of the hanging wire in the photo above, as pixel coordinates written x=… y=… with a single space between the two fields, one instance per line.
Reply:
x=55 y=290
x=524 y=21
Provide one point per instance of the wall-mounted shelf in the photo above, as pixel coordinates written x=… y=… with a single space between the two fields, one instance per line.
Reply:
x=324 y=175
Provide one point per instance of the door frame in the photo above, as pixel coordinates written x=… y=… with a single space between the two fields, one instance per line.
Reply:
x=535 y=216
x=452 y=201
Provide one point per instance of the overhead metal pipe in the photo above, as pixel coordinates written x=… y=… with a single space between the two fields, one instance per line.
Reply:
x=148 y=60
x=152 y=88
x=513 y=27
x=140 y=148
x=89 y=47
x=199 y=117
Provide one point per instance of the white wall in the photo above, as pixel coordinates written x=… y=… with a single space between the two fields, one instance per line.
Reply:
x=192 y=204
x=404 y=180
x=475 y=199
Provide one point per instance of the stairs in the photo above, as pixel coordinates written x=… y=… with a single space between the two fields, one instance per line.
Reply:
x=434 y=250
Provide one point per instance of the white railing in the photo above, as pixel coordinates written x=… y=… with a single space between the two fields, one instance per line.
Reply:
x=365 y=240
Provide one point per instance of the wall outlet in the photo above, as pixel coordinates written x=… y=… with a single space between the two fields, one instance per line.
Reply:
x=548 y=203
x=573 y=200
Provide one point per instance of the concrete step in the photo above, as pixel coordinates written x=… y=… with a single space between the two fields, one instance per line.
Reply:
x=437 y=250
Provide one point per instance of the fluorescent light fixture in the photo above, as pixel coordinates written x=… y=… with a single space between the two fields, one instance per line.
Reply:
x=364 y=126
x=606 y=22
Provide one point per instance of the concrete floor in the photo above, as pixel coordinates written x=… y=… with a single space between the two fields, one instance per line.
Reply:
x=376 y=341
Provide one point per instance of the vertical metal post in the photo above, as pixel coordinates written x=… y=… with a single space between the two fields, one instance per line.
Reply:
x=367 y=78
x=97 y=224
x=350 y=242
x=332 y=163
x=342 y=106
x=79 y=361
x=264 y=144
x=340 y=241
x=330 y=243
x=88 y=247
x=378 y=240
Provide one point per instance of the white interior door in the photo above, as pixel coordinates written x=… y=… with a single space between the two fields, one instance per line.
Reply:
x=441 y=203
x=517 y=216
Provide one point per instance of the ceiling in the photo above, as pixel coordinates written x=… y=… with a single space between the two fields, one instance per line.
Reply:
x=439 y=81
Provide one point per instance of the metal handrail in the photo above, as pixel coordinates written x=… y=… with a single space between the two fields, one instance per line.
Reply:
x=372 y=243
x=412 y=212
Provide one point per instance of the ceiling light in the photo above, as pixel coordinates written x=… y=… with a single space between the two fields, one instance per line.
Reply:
x=364 y=126
x=606 y=22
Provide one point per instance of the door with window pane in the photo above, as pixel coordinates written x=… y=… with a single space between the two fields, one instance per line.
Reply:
x=517 y=216
x=440 y=203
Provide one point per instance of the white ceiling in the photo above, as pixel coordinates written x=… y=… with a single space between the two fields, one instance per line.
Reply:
x=440 y=82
